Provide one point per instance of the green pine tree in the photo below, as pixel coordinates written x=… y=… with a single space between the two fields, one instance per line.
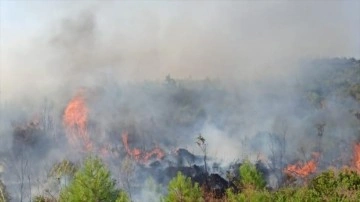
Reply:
x=123 y=197
x=92 y=183
x=250 y=176
x=181 y=189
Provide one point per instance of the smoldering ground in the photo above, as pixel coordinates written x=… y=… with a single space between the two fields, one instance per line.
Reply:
x=121 y=53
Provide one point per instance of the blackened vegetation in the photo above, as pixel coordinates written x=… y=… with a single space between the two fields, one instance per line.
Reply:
x=190 y=165
x=215 y=182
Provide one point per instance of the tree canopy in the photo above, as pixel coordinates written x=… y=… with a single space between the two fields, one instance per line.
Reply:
x=92 y=183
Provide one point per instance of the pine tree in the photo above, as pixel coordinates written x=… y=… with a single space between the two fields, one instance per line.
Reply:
x=250 y=176
x=181 y=189
x=123 y=197
x=92 y=183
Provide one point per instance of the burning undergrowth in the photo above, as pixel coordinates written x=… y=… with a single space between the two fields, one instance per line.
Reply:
x=149 y=130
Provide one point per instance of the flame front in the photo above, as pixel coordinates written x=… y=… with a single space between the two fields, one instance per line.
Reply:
x=356 y=156
x=300 y=169
x=303 y=169
x=139 y=155
x=75 y=119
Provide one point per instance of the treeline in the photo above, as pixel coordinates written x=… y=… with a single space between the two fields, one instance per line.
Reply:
x=92 y=182
x=336 y=77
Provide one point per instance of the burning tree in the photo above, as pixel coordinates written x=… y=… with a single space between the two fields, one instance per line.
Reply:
x=75 y=119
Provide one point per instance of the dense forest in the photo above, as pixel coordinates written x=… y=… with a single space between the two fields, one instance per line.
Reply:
x=288 y=139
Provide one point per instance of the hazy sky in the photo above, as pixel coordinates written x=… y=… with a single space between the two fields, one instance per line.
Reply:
x=21 y=20
x=45 y=40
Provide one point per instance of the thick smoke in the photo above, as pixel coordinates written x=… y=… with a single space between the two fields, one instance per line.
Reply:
x=136 y=41
x=238 y=81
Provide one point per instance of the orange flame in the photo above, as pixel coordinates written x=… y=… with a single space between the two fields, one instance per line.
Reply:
x=356 y=156
x=303 y=169
x=139 y=155
x=75 y=119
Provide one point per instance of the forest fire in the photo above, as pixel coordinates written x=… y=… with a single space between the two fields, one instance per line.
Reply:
x=356 y=156
x=303 y=169
x=139 y=155
x=75 y=119
x=189 y=101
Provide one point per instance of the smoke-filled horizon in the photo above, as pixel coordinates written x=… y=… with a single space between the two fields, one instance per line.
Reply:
x=54 y=43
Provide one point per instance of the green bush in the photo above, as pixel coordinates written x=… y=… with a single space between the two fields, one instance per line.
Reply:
x=298 y=194
x=248 y=195
x=252 y=185
x=344 y=186
x=325 y=183
x=250 y=176
x=349 y=179
x=327 y=186
x=123 y=197
x=181 y=189
x=92 y=183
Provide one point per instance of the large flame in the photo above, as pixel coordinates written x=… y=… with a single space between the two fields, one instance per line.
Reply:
x=139 y=155
x=75 y=119
x=303 y=169
x=356 y=156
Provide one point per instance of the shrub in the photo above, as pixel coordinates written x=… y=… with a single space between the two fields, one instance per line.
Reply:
x=298 y=194
x=344 y=186
x=349 y=179
x=181 y=189
x=250 y=176
x=325 y=183
x=248 y=195
x=91 y=183
x=122 y=197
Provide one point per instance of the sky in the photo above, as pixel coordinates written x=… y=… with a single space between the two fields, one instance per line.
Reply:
x=21 y=20
x=42 y=43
